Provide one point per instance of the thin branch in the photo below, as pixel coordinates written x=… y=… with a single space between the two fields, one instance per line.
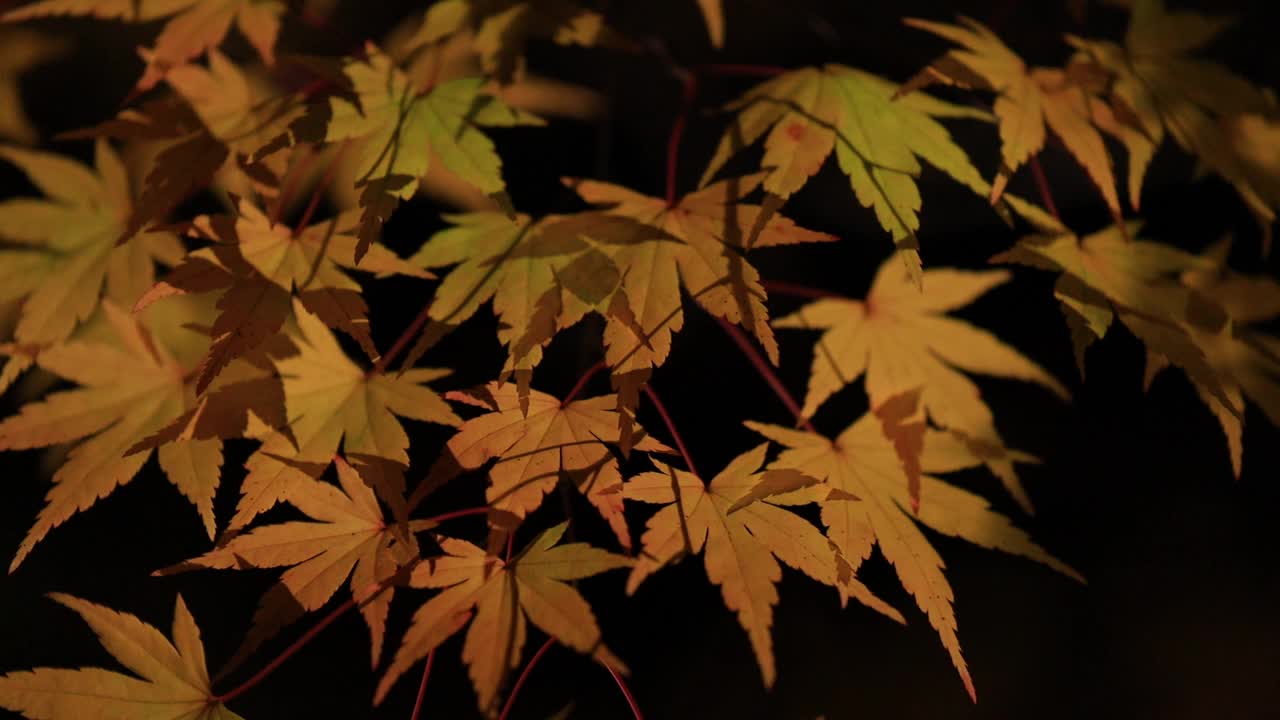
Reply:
x=801 y=291
x=289 y=652
x=582 y=382
x=402 y=342
x=292 y=179
x=318 y=194
x=1042 y=183
x=437 y=519
x=671 y=427
x=689 y=93
x=422 y=686
x=626 y=692
x=370 y=593
x=302 y=641
x=766 y=372
x=515 y=689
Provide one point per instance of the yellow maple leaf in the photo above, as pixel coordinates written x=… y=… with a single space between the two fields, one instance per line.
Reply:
x=170 y=677
x=132 y=385
x=537 y=446
x=61 y=259
x=332 y=402
x=256 y=265
x=1159 y=89
x=1109 y=275
x=739 y=541
x=502 y=595
x=20 y=51
x=901 y=340
x=710 y=259
x=1246 y=360
x=347 y=536
x=862 y=463
x=246 y=114
x=543 y=276
x=1026 y=100
x=193 y=26
x=499 y=30
x=713 y=15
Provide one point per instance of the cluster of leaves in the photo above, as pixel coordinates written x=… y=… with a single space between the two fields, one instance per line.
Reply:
x=181 y=334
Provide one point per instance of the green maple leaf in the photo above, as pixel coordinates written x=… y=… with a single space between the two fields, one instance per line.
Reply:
x=879 y=142
x=400 y=128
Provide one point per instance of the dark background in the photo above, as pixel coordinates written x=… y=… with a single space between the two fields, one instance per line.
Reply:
x=1179 y=617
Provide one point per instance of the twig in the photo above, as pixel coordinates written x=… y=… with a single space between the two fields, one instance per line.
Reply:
x=380 y=365
x=1042 y=183
x=802 y=291
x=582 y=382
x=626 y=692
x=437 y=519
x=302 y=641
x=515 y=689
x=292 y=178
x=422 y=686
x=766 y=372
x=689 y=93
x=671 y=427
x=318 y=194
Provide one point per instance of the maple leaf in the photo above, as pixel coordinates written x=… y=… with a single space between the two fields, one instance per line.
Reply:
x=400 y=128
x=901 y=340
x=740 y=541
x=330 y=401
x=713 y=15
x=245 y=114
x=531 y=585
x=21 y=50
x=257 y=264
x=60 y=260
x=500 y=29
x=537 y=445
x=711 y=225
x=1107 y=275
x=219 y=124
x=862 y=462
x=132 y=386
x=1254 y=140
x=348 y=536
x=194 y=26
x=1246 y=360
x=170 y=677
x=1159 y=89
x=878 y=141
x=543 y=276
x=1027 y=99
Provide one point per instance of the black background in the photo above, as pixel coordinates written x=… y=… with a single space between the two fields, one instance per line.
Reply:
x=1179 y=617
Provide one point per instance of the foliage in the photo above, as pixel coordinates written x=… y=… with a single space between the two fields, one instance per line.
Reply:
x=190 y=334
